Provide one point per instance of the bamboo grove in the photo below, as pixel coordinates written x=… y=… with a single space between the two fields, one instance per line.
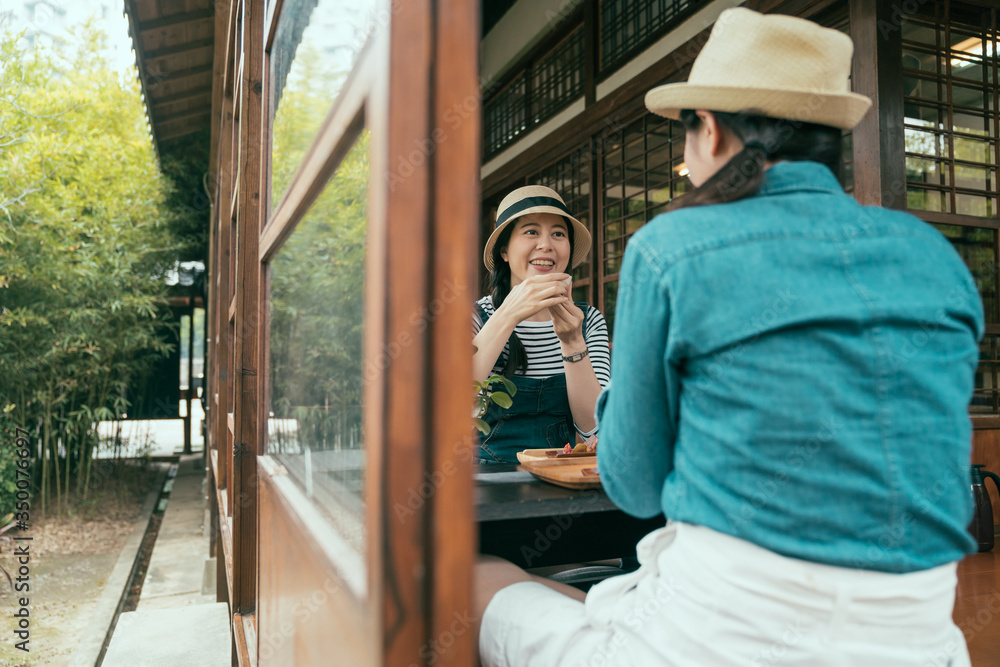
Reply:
x=88 y=231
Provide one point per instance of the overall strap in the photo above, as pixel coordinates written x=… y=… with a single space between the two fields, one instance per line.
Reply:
x=483 y=315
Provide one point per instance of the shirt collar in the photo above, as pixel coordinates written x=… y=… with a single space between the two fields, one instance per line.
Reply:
x=786 y=177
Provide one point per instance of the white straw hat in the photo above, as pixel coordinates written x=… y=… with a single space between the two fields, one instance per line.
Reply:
x=537 y=199
x=771 y=65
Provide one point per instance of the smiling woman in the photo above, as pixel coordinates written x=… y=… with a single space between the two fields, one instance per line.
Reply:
x=529 y=329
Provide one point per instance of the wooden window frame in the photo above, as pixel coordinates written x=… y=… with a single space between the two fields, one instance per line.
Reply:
x=419 y=569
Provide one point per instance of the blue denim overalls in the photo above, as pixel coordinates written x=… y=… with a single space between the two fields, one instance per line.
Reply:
x=539 y=418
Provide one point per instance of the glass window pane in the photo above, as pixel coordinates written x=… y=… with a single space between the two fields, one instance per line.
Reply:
x=919 y=199
x=916 y=32
x=613 y=194
x=967 y=68
x=315 y=45
x=925 y=115
x=922 y=170
x=972 y=123
x=977 y=246
x=659 y=196
x=658 y=156
x=974 y=150
x=613 y=230
x=986 y=396
x=316 y=307
x=635 y=148
x=636 y=204
x=920 y=60
x=634 y=222
x=966 y=96
x=977 y=205
x=923 y=88
x=975 y=178
x=924 y=143
x=681 y=187
x=610 y=299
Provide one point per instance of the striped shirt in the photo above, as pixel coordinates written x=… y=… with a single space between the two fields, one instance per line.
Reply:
x=542 y=344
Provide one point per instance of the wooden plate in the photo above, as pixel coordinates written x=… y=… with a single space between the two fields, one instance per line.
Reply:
x=578 y=473
x=549 y=454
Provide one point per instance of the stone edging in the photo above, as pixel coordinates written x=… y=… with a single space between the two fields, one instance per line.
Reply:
x=116 y=588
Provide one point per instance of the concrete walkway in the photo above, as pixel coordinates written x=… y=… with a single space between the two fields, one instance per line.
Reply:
x=177 y=620
x=177 y=567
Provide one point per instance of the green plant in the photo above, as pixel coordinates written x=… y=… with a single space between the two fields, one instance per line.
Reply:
x=484 y=396
x=87 y=238
x=8 y=523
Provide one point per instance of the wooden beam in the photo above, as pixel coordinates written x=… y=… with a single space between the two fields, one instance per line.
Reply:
x=178 y=48
x=182 y=129
x=181 y=96
x=177 y=20
x=178 y=75
x=199 y=113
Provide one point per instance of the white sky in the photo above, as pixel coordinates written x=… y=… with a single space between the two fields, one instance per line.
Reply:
x=53 y=18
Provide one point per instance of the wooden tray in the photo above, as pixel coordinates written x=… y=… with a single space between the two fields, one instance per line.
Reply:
x=549 y=454
x=578 y=473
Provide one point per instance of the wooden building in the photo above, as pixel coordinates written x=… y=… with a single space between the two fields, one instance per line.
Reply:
x=355 y=156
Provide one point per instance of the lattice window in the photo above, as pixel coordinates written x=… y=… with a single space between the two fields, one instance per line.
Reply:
x=535 y=94
x=978 y=247
x=950 y=87
x=557 y=77
x=986 y=395
x=504 y=116
x=643 y=170
x=642 y=173
x=570 y=177
x=628 y=25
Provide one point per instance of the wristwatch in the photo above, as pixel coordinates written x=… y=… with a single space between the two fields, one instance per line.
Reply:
x=576 y=357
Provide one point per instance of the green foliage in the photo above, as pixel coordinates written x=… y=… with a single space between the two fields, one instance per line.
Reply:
x=85 y=240
x=317 y=310
x=485 y=396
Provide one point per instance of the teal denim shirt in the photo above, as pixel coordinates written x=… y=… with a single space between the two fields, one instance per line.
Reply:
x=795 y=370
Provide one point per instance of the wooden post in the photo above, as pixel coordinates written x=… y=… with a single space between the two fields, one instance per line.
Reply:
x=879 y=148
x=187 y=419
x=246 y=378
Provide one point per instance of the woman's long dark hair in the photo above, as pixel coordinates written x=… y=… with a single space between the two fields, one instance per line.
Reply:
x=764 y=139
x=499 y=287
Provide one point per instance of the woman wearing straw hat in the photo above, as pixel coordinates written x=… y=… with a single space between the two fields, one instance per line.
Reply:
x=529 y=329
x=790 y=387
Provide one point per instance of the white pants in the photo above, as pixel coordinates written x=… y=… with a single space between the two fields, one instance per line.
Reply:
x=705 y=599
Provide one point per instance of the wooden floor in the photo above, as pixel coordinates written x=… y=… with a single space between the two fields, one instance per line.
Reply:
x=977 y=606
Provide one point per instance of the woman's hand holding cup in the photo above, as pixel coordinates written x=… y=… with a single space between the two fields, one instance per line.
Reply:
x=534 y=294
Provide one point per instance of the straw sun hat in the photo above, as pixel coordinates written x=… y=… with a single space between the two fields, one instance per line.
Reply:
x=775 y=66
x=536 y=199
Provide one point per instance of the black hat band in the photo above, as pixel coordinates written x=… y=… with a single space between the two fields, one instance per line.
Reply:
x=531 y=202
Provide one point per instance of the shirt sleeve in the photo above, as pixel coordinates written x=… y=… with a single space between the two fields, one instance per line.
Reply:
x=596 y=338
x=637 y=412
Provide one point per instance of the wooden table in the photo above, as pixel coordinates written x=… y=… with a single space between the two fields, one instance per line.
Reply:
x=536 y=524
